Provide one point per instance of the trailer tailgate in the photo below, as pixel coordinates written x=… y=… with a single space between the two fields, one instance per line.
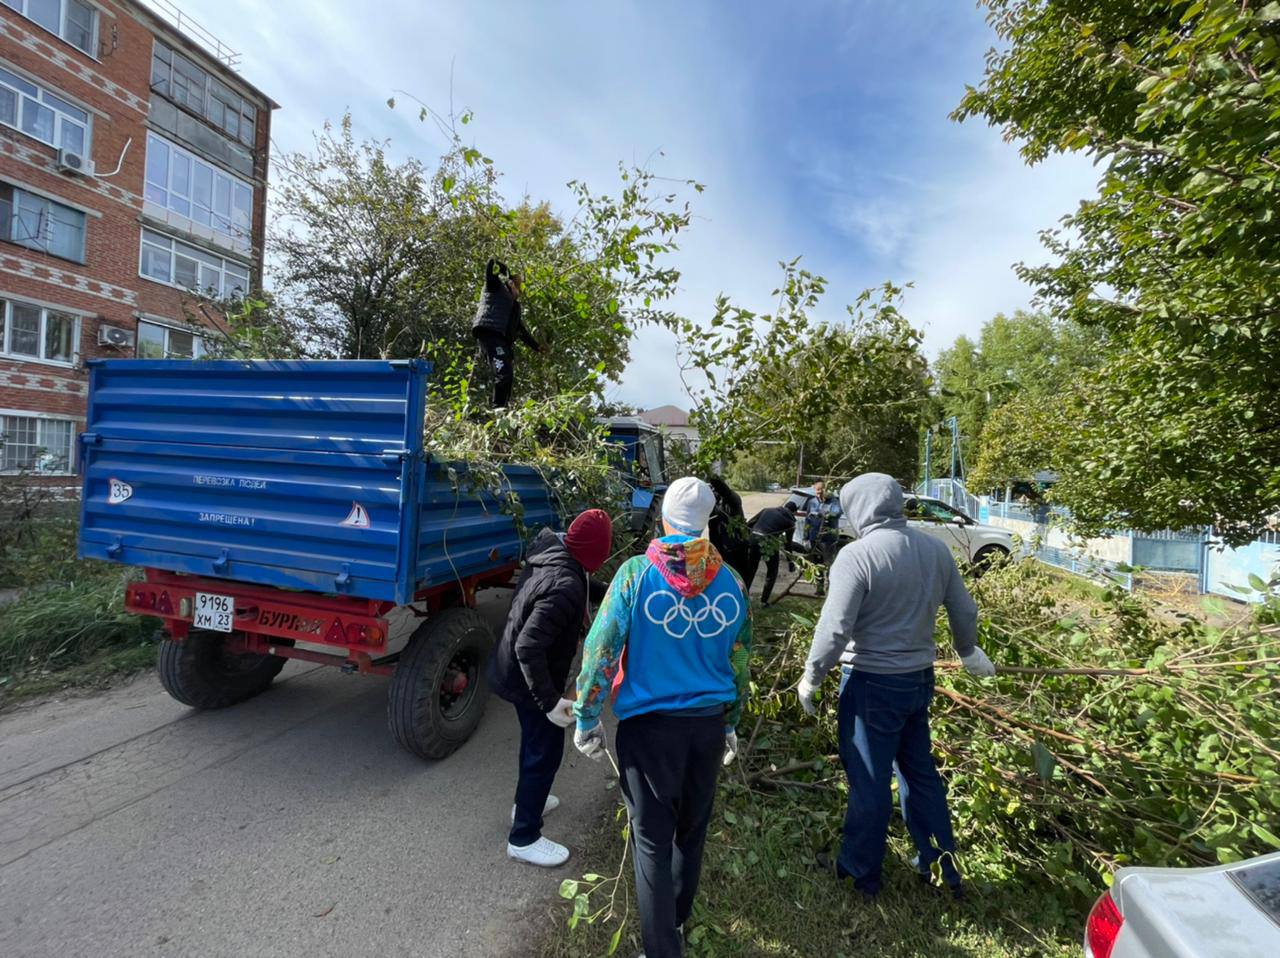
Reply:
x=290 y=474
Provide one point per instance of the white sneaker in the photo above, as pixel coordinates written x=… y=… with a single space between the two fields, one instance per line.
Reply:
x=544 y=853
x=552 y=804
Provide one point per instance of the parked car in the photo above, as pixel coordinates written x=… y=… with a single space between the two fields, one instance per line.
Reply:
x=1227 y=911
x=970 y=541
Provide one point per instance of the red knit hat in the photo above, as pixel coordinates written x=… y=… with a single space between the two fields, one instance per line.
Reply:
x=590 y=538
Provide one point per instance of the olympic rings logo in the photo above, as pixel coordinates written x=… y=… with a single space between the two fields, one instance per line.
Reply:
x=698 y=614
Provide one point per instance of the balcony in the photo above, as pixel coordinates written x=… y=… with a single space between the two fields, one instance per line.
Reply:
x=185 y=25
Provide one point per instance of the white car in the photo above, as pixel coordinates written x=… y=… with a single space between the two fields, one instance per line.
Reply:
x=1227 y=911
x=971 y=542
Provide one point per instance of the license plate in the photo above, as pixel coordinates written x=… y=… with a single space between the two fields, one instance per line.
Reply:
x=214 y=612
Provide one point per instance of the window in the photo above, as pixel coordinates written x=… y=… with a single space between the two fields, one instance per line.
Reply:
x=41 y=224
x=171 y=261
x=35 y=444
x=176 y=77
x=167 y=342
x=929 y=510
x=41 y=114
x=73 y=20
x=35 y=332
x=187 y=185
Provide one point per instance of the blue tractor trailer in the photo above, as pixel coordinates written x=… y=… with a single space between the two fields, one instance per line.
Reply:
x=280 y=510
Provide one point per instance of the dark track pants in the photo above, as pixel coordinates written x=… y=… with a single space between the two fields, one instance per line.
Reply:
x=541 y=749
x=499 y=356
x=770 y=565
x=669 y=766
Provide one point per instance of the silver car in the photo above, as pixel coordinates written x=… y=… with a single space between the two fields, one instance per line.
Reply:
x=971 y=542
x=1228 y=911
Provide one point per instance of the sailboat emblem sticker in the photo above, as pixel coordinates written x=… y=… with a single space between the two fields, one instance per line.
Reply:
x=358 y=518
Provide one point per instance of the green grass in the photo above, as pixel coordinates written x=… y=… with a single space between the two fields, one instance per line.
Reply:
x=762 y=893
x=67 y=626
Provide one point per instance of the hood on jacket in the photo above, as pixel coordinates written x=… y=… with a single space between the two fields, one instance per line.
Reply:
x=688 y=565
x=548 y=548
x=873 y=501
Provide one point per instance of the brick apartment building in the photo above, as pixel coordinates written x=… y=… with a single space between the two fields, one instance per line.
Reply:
x=133 y=169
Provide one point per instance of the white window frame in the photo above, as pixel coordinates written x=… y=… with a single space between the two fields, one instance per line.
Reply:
x=20 y=6
x=6 y=305
x=60 y=116
x=41 y=243
x=158 y=240
x=197 y=337
x=39 y=418
x=240 y=242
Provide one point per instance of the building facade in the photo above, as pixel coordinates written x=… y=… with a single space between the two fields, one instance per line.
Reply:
x=133 y=171
x=674 y=423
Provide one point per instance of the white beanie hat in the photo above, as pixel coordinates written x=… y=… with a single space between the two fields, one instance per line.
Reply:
x=687 y=505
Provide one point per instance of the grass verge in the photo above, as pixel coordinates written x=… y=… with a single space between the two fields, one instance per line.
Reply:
x=71 y=633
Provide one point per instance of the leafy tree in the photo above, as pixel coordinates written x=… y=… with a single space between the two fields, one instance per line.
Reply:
x=1178 y=257
x=1026 y=354
x=851 y=394
x=379 y=258
x=1020 y=438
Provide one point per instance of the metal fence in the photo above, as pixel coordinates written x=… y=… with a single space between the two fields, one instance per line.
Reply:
x=1218 y=570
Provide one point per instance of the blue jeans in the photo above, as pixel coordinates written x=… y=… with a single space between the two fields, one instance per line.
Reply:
x=884 y=729
x=541 y=749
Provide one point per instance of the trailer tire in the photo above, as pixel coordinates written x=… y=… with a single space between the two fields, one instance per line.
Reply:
x=439 y=689
x=197 y=672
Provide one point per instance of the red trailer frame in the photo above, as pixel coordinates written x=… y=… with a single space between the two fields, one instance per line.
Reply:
x=264 y=615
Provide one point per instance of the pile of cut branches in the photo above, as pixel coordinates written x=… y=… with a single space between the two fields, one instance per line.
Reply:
x=1111 y=736
x=561 y=438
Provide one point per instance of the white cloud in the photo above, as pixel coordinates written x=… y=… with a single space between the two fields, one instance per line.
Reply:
x=562 y=91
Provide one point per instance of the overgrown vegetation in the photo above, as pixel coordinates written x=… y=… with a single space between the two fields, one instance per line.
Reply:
x=67 y=623
x=1112 y=735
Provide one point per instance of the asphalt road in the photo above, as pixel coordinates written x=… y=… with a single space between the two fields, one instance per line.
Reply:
x=288 y=825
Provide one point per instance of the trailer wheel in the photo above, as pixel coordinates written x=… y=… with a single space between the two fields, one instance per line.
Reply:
x=438 y=690
x=199 y=672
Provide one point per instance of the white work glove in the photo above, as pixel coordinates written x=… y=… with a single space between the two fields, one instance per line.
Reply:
x=562 y=714
x=730 y=746
x=977 y=663
x=807 y=691
x=590 y=742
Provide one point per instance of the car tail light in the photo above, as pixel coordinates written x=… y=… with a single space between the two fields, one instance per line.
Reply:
x=1102 y=928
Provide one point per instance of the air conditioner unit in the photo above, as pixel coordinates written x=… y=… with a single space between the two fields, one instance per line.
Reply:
x=75 y=163
x=115 y=336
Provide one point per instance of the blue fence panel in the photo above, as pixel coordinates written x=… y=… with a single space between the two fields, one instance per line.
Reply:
x=1079 y=563
x=1169 y=551
x=1227 y=571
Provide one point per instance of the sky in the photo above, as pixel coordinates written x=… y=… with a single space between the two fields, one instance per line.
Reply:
x=820 y=129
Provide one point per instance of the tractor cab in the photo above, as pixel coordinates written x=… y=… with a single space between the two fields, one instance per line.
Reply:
x=640 y=461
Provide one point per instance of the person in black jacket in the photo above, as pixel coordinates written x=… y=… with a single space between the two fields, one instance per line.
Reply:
x=771 y=531
x=497 y=323
x=727 y=528
x=530 y=668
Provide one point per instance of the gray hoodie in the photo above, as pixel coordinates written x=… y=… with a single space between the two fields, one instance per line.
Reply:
x=886 y=588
